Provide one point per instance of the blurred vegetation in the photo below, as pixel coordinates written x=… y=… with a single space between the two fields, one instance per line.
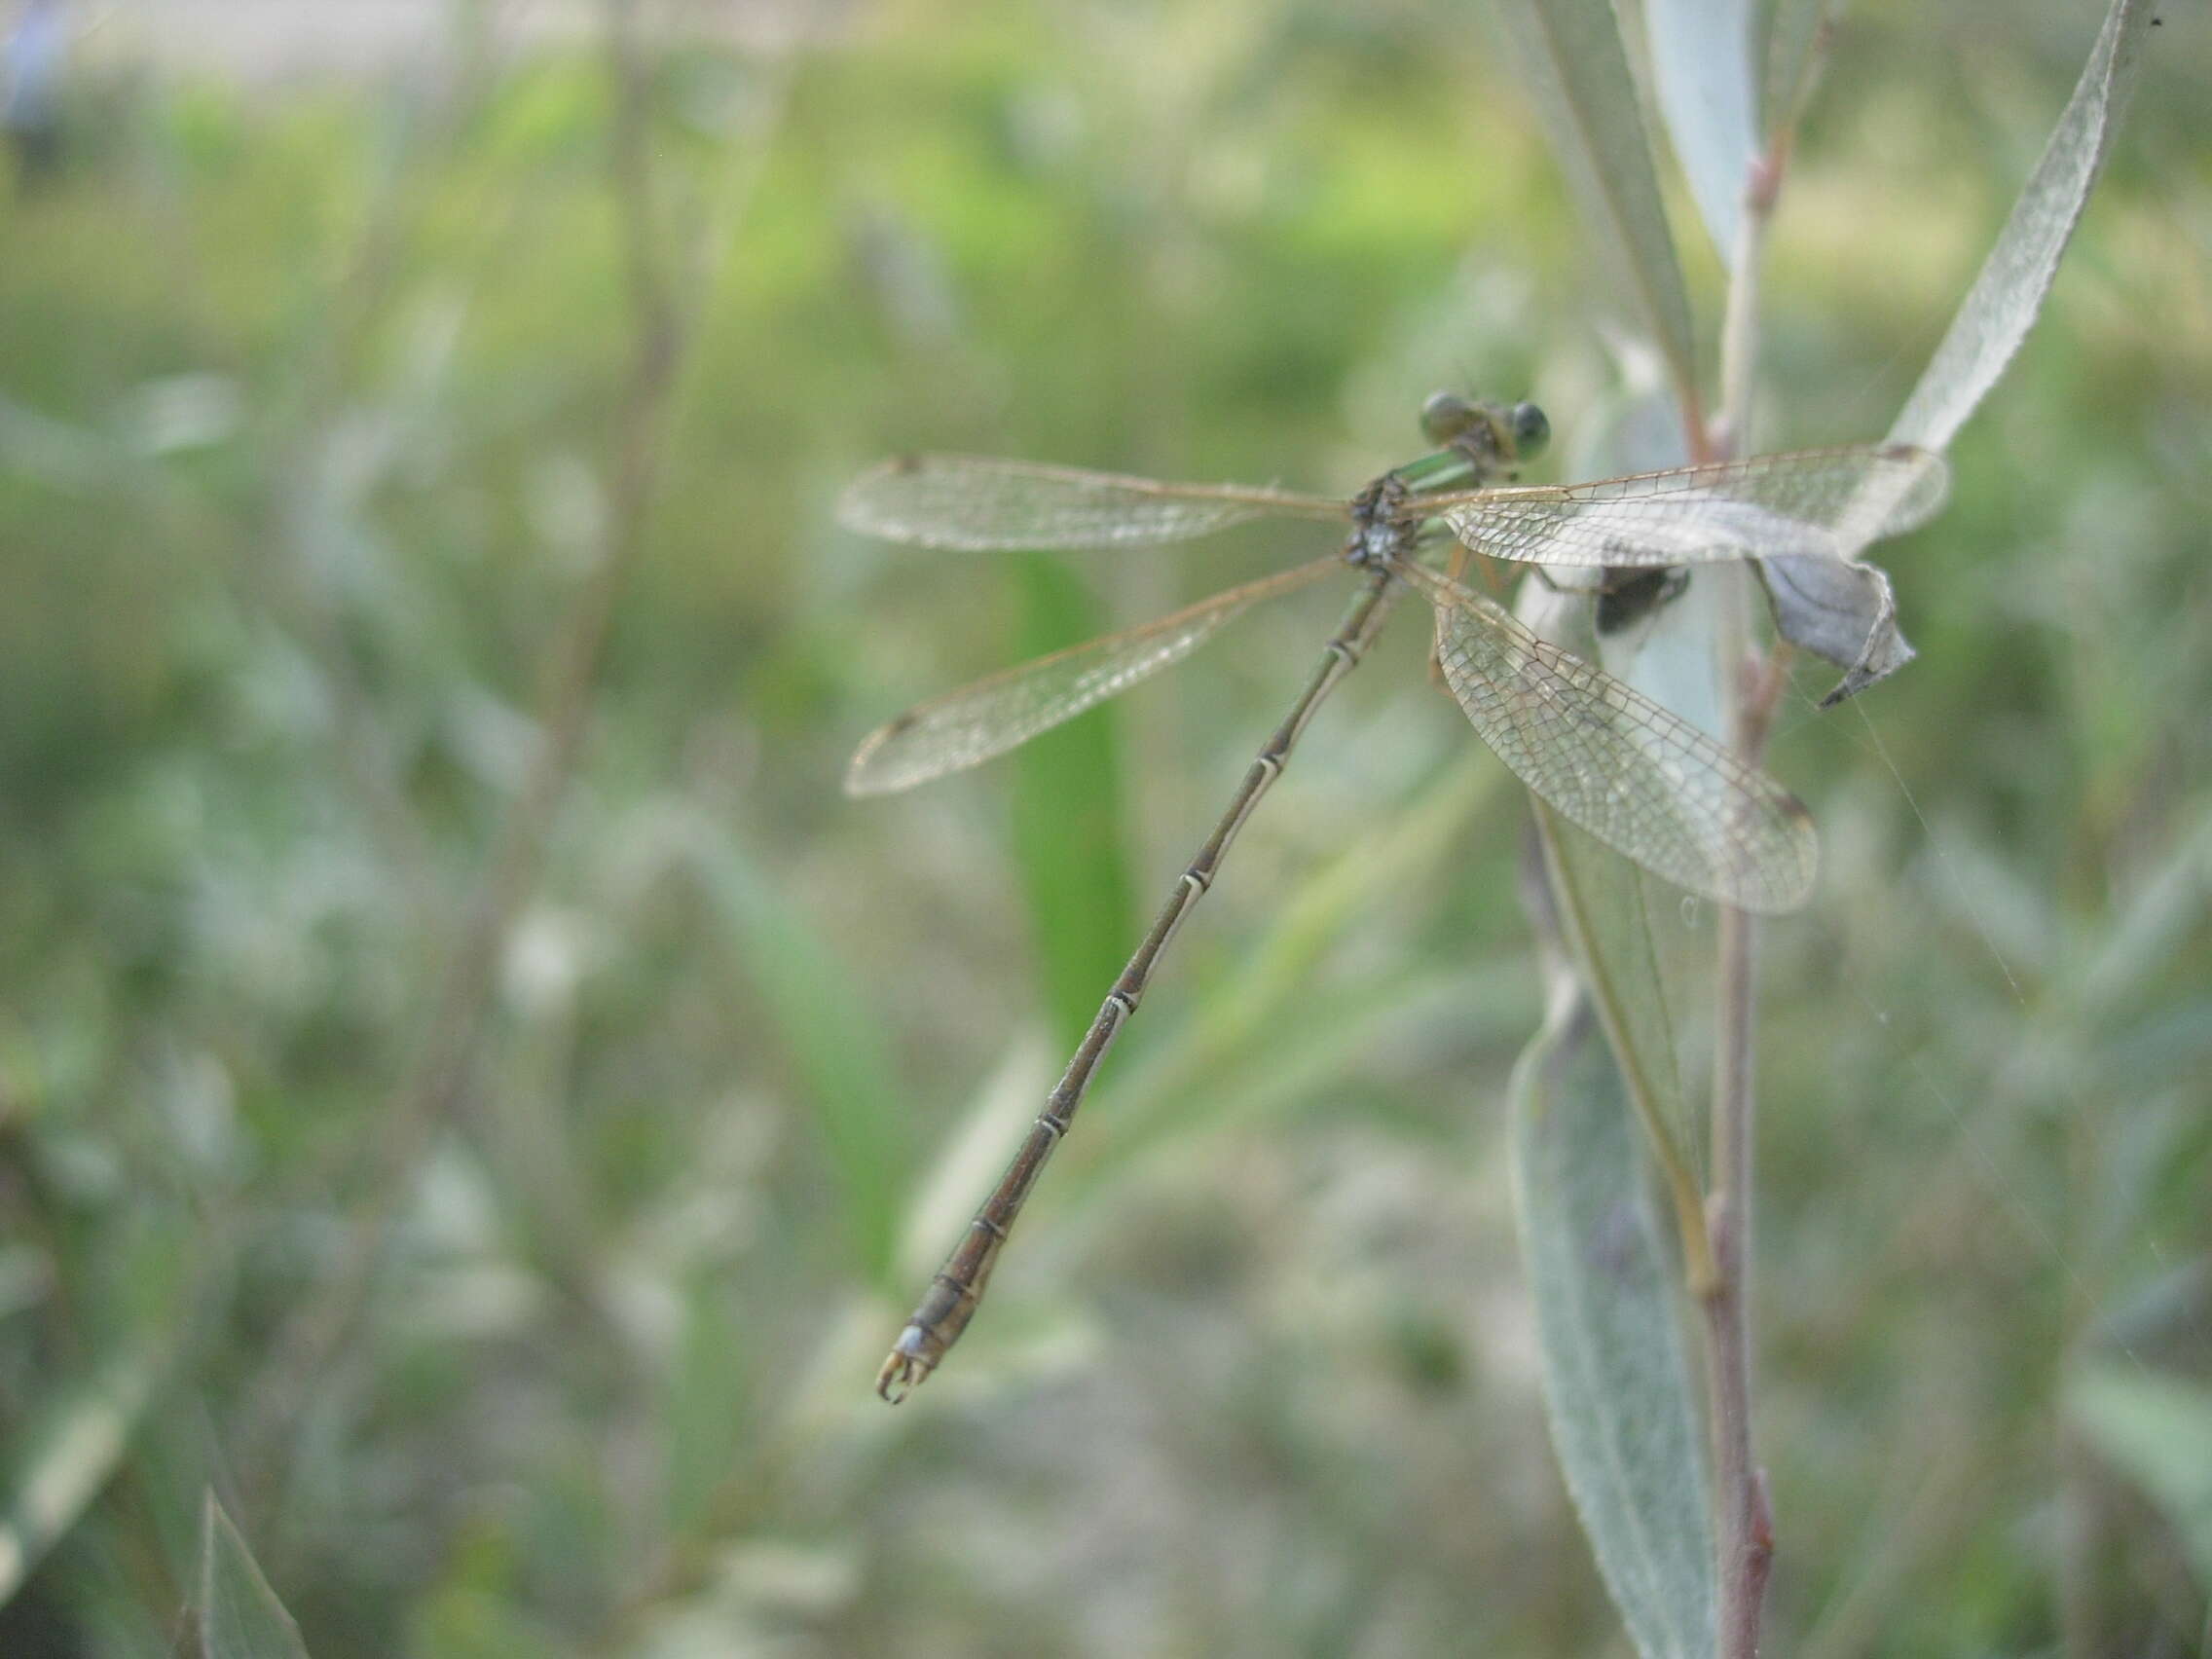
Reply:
x=526 y=1301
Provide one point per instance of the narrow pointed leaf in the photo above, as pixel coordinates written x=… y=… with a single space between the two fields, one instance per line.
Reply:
x=1189 y=1079
x=1577 y=73
x=240 y=1614
x=2158 y=1431
x=1616 y=1379
x=831 y=1034
x=1701 y=64
x=69 y=1450
x=1600 y=904
x=1067 y=824
x=971 y=1153
x=1599 y=1086
x=2002 y=306
x=1603 y=898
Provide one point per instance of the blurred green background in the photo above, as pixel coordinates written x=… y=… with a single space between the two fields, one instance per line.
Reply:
x=474 y=1093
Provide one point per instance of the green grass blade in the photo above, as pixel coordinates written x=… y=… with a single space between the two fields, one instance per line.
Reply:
x=832 y=1037
x=1337 y=1039
x=1180 y=1083
x=2158 y=1431
x=1067 y=823
x=68 y=1451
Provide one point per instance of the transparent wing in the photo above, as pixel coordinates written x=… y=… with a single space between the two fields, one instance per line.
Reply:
x=1643 y=780
x=972 y=503
x=1822 y=502
x=993 y=716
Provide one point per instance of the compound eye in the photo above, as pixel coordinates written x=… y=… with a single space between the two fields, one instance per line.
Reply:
x=1446 y=416
x=1531 y=430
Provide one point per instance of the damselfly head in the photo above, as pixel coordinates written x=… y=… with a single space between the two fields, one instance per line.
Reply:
x=1499 y=433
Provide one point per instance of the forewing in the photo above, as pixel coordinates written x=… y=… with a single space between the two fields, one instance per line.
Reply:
x=974 y=504
x=1815 y=502
x=967 y=727
x=1641 y=778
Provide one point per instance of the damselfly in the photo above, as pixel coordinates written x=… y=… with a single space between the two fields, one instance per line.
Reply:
x=1602 y=755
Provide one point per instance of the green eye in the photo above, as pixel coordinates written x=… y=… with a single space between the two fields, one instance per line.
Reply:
x=1446 y=416
x=1531 y=430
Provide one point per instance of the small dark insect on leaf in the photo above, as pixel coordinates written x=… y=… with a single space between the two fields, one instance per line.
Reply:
x=1629 y=596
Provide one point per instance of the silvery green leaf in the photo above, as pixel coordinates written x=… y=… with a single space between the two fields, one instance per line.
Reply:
x=1616 y=1379
x=1604 y=904
x=2005 y=297
x=1672 y=654
x=1598 y=896
x=1597 y=1087
x=1577 y=73
x=1701 y=68
x=240 y=1614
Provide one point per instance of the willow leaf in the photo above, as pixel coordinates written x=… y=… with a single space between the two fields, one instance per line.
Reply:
x=1616 y=1379
x=1577 y=71
x=1701 y=68
x=2005 y=297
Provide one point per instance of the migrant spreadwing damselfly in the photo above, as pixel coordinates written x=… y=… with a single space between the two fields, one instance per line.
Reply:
x=1638 y=778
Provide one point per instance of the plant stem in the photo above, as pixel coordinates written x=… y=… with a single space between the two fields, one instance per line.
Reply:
x=1746 y=1534
x=1740 y=321
x=1746 y=1529
x=1744 y=1517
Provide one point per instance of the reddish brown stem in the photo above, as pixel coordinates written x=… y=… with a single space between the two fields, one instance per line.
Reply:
x=1745 y=1519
